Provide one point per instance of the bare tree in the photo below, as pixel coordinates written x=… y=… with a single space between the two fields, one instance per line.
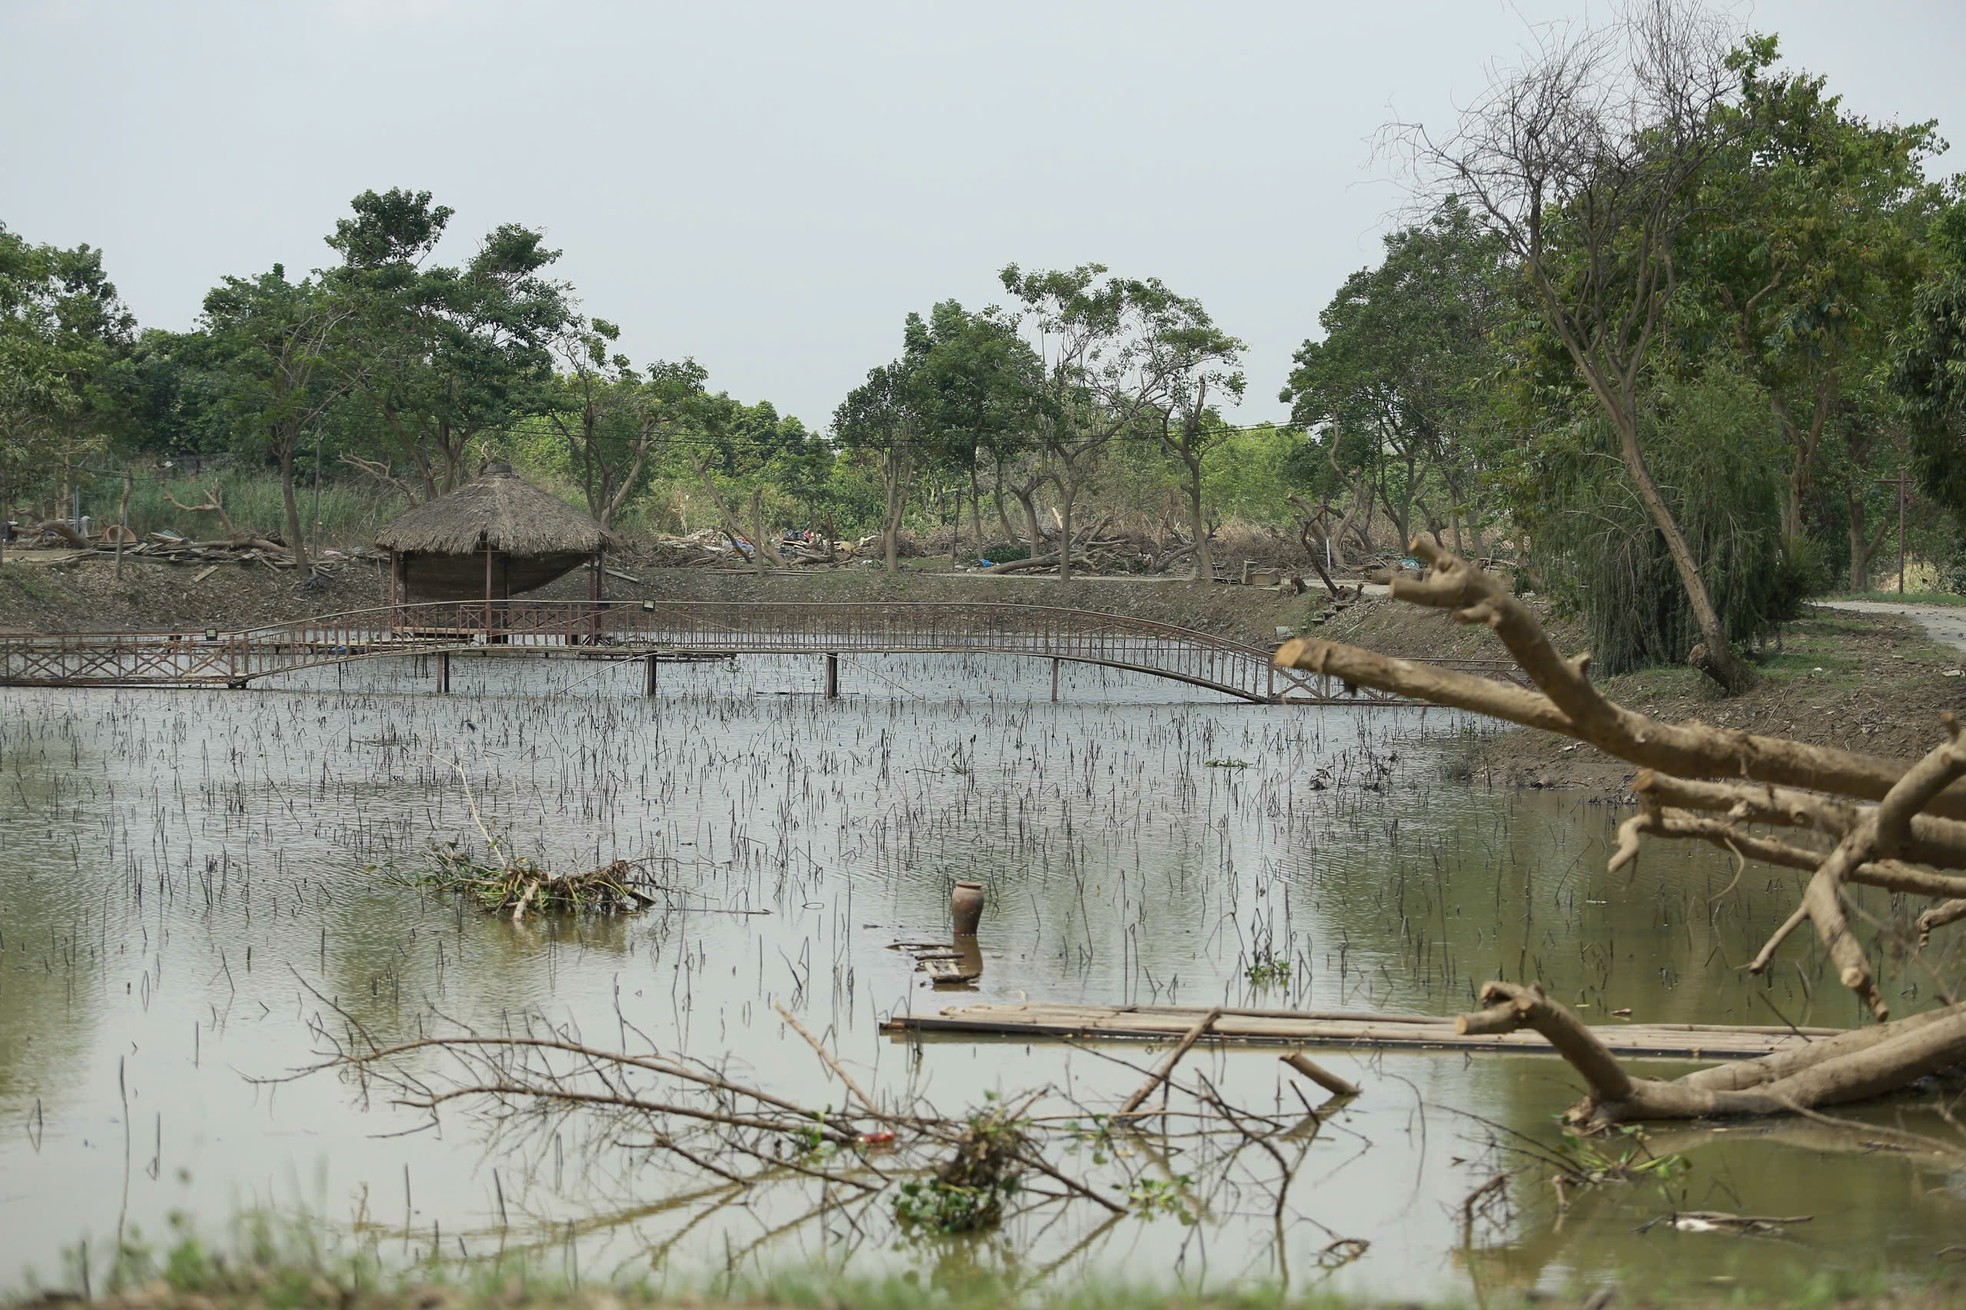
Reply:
x=1583 y=160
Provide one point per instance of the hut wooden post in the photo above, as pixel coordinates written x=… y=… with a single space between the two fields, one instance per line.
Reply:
x=488 y=593
x=594 y=596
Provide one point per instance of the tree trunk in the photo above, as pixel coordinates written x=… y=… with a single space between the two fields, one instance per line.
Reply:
x=295 y=542
x=1863 y=545
x=894 y=474
x=758 y=531
x=1068 y=492
x=1362 y=529
x=1860 y=551
x=1029 y=501
x=1851 y=1066
x=1204 y=563
x=1718 y=660
x=1003 y=518
x=122 y=522
x=976 y=510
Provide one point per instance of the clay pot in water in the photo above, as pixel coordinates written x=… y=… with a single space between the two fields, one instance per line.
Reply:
x=966 y=907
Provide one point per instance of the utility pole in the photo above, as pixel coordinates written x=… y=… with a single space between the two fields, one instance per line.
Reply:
x=1903 y=483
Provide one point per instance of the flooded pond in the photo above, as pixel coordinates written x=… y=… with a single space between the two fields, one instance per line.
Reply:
x=196 y=896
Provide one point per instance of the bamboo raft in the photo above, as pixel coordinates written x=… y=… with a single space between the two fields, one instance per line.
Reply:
x=1681 y=1041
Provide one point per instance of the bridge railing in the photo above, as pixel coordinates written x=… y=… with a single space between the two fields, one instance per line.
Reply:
x=735 y=627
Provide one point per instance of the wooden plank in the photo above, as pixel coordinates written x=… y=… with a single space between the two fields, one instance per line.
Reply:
x=1333 y=1028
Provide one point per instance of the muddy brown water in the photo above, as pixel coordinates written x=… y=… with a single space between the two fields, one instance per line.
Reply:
x=184 y=877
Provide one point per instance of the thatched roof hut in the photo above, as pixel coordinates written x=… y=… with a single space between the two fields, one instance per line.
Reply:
x=489 y=539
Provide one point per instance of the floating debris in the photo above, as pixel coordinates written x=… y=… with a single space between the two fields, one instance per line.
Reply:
x=518 y=885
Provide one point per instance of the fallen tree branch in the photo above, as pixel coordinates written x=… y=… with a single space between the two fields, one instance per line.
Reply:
x=1166 y=1067
x=1892 y=875
x=1690 y=750
x=1928 y=841
x=1831 y=1071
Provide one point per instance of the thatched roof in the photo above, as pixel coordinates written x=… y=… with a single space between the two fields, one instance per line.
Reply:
x=500 y=510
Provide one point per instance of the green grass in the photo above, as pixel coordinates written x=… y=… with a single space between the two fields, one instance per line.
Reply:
x=288 y=1264
x=23 y=581
x=351 y=511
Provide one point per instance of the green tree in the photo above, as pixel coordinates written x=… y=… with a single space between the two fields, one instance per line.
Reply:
x=269 y=342
x=1929 y=370
x=1407 y=347
x=882 y=420
x=63 y=329
x=611 y=418
x=1600 y=551
x=1200 y=364
x=441 y=357
x=1108 y=360
x=973 y=380
x=1805 y=246
x=166 y=388
x=1585 y=162
x=741 y=455
x=960 y=387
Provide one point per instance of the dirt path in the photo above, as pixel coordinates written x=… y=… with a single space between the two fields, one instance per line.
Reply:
x=1946 y=623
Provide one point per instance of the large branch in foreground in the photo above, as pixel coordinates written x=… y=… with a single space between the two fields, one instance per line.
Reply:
x=1876 y=832
x=1851 y=1066
x=1694 y=750
x=1880 y=832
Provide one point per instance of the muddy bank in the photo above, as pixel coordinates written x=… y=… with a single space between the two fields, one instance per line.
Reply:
x=86 y=596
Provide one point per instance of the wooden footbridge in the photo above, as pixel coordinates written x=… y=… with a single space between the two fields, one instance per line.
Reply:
x=653 y=631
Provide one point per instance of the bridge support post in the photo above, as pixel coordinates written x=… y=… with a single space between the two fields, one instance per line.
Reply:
x=443 y=670
x=1054 y=680
x=648 y=674
x=832 y=675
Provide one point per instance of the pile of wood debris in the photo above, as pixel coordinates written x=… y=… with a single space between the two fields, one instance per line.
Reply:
x=711 y=548
x=165 y=546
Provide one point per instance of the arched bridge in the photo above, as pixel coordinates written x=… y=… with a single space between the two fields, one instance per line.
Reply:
x=654 y=630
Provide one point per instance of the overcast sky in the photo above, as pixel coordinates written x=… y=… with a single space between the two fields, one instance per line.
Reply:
x=772 y=187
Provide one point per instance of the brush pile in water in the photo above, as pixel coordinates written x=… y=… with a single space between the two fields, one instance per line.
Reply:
x=518 y=885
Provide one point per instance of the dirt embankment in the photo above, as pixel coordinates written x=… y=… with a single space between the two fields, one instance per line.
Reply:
x=85 y=596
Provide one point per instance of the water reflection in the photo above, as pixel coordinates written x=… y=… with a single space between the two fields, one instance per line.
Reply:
x=53 y=935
